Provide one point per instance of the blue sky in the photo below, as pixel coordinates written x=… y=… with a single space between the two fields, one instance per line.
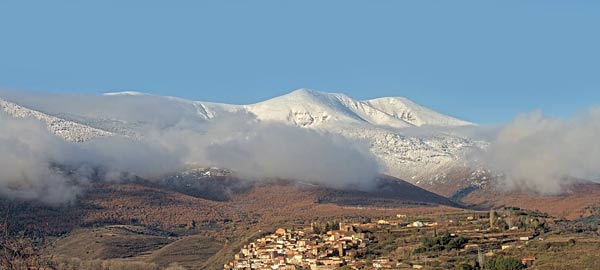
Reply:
x=484 y=61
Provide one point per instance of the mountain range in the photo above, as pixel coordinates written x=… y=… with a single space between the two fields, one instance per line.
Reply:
x=410 y=141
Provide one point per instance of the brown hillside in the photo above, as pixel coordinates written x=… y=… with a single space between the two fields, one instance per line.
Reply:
x=576 y=202
x=153 y=223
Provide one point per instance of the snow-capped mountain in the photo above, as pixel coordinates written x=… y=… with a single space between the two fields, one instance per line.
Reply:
x=383 y=122
x=387 y=124
x=306 y=108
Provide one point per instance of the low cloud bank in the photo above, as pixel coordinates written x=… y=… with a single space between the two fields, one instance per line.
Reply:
x=25 y=163
x=544 y=154
x=270 y=150
x=37 y=165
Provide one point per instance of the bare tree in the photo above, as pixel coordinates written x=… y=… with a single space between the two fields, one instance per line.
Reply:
x=22 y=250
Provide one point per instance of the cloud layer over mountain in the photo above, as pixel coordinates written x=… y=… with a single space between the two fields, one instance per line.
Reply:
x=546 y=154
x=37 y=165
x=341 y=143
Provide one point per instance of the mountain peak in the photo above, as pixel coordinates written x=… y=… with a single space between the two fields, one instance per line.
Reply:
x=310 y=93
x=303 y=91
x=307 y=107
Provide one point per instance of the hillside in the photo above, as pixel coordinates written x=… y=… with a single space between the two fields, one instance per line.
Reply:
x=579 y=200
x=478 y=189
x=151 y=222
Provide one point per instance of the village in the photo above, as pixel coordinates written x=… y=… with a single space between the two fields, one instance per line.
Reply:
x=467 y=240
x=289 y=249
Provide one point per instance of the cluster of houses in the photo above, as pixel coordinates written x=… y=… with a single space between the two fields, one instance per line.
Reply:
x=289 y=249
x=319 y=248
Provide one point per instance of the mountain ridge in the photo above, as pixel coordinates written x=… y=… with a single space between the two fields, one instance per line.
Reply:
x=384 y=123
x=399 y=112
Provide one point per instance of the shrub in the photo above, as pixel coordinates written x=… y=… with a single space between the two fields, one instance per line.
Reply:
x=503 y=263
x=442 y=242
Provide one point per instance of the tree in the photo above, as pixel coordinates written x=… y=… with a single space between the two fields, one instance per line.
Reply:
x=335 y=226
x=22 y=250
x=456 y=243
x=442 y=242
x=503 y=263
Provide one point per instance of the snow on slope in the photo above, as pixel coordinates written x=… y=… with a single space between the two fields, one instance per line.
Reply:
x=66 y=129
x=413 y=113
x=383 y=123
x=203 y=110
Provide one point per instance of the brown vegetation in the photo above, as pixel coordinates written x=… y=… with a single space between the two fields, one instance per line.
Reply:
x=116 y=224
x=22 y=250
x=573 y=204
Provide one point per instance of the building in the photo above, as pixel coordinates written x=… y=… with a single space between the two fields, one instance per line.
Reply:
x=416 y=224
x=528 y=261
x=383 y=222
x=524 y=238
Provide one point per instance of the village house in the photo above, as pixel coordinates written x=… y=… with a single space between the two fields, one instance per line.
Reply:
x=528 y=261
